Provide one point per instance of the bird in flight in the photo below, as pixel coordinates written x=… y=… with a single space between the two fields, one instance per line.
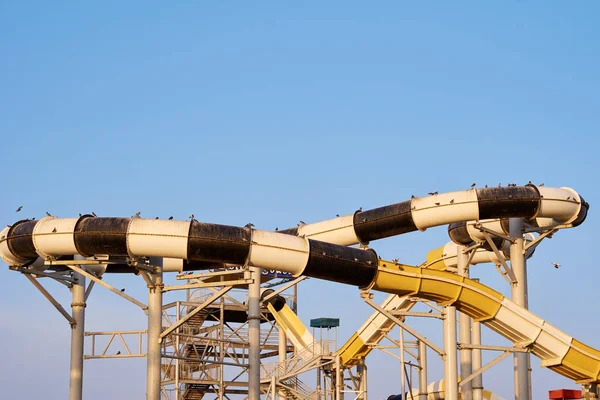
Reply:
x=19 y=209
x=556 y=265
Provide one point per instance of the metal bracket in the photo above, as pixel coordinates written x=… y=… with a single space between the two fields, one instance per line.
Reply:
x=201 y=285
x=51 y=299
x=501 y=259
x=546 y=234
x=283 y=288
x=484 y=368
x=100 y=282
x=485 y=230
x=417 y=314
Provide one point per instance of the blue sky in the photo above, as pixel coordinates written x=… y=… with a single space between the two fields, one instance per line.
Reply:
x=274 y=112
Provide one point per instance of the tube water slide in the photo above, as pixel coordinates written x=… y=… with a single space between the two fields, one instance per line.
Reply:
x=318 y=250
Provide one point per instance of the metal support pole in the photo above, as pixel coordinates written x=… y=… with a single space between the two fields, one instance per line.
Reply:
x=519 y=296
x=450 y=362
x=478 y=380
x=282 y=355
x=338 y=378
x=177 y=349
x=464 y=323
x=254 y=335
x=361 y=369
x=77 y=335
x=154 y=330
x=422 y=354
x=402 y=377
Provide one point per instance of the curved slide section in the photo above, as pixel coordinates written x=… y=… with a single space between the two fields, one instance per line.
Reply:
x=542 y=206
x=445 y=257
x=558 y=351
x=377 y=325
x=186 y=245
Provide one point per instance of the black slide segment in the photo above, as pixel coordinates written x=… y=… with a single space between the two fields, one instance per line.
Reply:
x=384 y=222
x=341 y=264
x=20 y=239
x=101 y=236
x=504 y=202
x=218 y=243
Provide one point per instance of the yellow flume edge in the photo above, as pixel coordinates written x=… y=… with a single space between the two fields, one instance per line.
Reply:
x=356 y=348
x=295 y=330
x=558 y=351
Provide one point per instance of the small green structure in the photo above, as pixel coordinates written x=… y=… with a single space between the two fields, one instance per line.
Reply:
x=325 y=323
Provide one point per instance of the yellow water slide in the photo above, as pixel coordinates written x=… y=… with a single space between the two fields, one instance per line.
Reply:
x=294 y=329
x=557 y=350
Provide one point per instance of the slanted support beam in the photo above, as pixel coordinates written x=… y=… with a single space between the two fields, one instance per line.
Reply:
x=100 y=282
x=195 y=311
x=51 y=299
x=367 y=299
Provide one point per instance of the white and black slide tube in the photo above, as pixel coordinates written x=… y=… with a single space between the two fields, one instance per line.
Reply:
x=198 y=243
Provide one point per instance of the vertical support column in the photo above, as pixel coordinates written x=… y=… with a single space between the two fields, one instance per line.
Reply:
x=339 y=376
x=361 y=370
x=519 y=296
x=422 y=354
x=450 y=362
x=464 y=323
x=154 y=330
x=177 y=348
x=478 y=380
x=282 y=355
x=77 y=335
x=254 y=335
x=402 y=365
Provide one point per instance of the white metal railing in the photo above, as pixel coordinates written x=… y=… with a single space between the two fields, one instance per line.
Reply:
x=297 y=387
x=298 y=361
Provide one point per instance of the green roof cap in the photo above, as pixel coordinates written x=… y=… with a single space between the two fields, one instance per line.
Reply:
x=325 y=323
